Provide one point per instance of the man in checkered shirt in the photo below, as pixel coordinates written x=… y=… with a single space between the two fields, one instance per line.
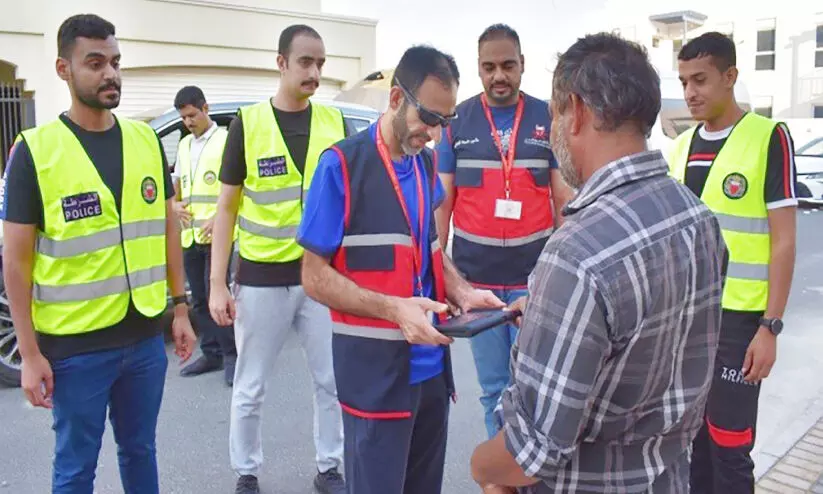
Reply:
x=612 y=366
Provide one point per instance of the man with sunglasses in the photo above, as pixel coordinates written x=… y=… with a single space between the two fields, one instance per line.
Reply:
x=373 y=256
x=501 y=181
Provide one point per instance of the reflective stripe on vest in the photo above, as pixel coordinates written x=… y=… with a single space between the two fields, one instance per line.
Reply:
x=389 y=334
x=202 y=189
x=90 y=259
x=272 y=205
x=503 y=242
x=522 y=163
x=734 y=192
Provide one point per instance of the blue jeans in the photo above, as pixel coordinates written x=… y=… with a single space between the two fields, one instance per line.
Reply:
x=129 y=383
x=491 y=350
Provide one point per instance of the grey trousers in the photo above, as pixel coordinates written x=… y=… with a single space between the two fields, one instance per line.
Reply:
x=266 y=316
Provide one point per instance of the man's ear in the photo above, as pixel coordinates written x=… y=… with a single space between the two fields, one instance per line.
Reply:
x=396 y=97
x=578 y=114
x=282 y=62
x=730 y=77
x=63 y=68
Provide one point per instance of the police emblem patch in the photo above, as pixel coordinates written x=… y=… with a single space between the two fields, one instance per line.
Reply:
x=148 y=189
x=209 y=177
x=735 y=185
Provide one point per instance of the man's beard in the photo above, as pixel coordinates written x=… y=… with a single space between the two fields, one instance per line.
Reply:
x=92 y=99
x=560 y=148
x=401 y=132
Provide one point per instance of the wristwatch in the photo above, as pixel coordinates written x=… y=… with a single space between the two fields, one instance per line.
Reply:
x=179 y=299
x=775 y=325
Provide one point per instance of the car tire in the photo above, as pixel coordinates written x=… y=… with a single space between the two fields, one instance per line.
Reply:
x=9 y=353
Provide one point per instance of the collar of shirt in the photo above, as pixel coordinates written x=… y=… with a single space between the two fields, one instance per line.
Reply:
x=207 y=133
x=615 y=174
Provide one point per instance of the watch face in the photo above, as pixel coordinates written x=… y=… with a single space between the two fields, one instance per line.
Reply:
x=777 y=326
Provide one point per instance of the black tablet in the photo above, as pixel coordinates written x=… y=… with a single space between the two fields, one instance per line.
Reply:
x=475 y=321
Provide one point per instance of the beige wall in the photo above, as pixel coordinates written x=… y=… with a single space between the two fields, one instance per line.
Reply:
x=233 y=34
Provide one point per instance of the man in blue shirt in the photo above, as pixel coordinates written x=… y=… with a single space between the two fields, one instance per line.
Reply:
x=501 y=182
x=373 y=257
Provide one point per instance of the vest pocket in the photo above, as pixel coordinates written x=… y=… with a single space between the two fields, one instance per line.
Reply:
x=540 y=176
x=468 y=177
x=370 y=258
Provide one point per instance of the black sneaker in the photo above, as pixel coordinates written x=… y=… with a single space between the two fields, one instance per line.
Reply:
x=247 y=484
x=202 y=365
x=330 y=482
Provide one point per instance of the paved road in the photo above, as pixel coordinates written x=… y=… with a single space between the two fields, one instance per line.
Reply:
x=193 y=429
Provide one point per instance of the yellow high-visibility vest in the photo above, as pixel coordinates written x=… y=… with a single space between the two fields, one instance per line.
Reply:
x=273 y=191
x=91 y=260
x=202 y=188
x=734 y=192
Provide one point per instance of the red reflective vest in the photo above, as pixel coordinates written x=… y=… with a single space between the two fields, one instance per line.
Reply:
x=490 y=251
x=371 y=356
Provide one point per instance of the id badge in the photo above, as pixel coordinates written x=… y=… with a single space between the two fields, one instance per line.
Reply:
x=508 y=209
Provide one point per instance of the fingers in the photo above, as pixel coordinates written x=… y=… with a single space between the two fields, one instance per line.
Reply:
x=430 y=305
x=747 y=362
x=48 y=381
x=232 y=311
x=491 y=300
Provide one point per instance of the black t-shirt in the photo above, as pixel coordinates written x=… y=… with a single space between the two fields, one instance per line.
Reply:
x=294 y=127
x=22 y=203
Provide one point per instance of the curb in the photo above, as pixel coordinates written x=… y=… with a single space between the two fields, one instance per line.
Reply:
x=800 y=471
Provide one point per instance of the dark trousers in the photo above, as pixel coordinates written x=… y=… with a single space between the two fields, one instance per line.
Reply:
x=128 y=383
x=721 y=453
x=405 y=456
x=216 y=342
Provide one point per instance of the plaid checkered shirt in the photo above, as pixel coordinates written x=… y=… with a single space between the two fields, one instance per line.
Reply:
x=614 y=359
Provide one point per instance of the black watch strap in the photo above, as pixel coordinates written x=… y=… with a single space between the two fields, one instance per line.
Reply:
x=180 y=299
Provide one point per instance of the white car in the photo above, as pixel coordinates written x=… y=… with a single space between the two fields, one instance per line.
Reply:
x=809 y=162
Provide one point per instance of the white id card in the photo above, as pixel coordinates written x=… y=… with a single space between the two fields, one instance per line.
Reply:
x=508 y=209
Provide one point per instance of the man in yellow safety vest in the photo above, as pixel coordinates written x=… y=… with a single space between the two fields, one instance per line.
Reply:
x=742 y=166
x=271 y=154
x=91 y=248
x=195 y=177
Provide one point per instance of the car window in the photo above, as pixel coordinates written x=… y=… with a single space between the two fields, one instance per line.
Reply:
x=170 y=140
x=814 y=148
x=356 y=125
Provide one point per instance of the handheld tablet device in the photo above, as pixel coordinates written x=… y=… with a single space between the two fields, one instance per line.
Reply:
x=476 y=321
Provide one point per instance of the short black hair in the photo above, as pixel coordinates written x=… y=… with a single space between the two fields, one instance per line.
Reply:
x=421 y=61
x=291 y=32
x=613 y=77
x=712 y=44
x=190 y=95
x=81 y=26
x=499 y=31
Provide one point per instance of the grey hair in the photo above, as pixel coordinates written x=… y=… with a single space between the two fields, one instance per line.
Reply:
x=613 y=77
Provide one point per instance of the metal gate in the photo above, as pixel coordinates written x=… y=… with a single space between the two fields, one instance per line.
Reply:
x=16 y=114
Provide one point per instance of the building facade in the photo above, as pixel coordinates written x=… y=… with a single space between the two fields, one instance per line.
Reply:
x=779 y=51
x=227 y=47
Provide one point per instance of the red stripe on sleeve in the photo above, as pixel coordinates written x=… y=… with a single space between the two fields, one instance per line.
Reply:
x=787 y=163
x=344 y=168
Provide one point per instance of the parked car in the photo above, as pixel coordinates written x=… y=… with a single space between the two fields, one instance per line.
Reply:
x=809 y=162
x=169 y=126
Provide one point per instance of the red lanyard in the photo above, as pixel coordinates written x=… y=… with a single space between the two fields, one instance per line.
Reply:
x=508 y=161
x=417 y=245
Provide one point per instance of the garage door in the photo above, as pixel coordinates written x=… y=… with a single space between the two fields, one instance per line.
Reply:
x=153 y=89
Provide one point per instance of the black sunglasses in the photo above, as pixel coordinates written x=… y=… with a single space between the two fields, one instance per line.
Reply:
x=428 y=117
